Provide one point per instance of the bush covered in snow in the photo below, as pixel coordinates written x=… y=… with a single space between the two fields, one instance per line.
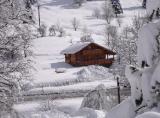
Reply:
x=98 y=99
x=42 y=30
x=87 y=38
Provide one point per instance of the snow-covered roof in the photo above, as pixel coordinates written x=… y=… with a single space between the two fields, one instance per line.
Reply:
x=75 y=48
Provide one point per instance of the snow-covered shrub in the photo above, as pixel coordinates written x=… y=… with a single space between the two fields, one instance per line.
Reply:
x=42 y=30
x=98 y=99
x=52 y=30
x=60 y=29
x=86 y=38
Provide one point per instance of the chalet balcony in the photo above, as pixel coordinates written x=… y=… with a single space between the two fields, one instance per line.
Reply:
x=98 y=62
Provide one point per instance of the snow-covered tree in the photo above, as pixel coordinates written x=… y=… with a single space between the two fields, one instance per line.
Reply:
x=111 y=36
x=61 y=32
x=126 y=45
x=117 y=7
x=119 y=21
x=108 y=12
x=15 y=43
x=86 y=35
x=75 y=23
x=60 y=29
x=144 y=3
x=144 y=78
x=86 y=38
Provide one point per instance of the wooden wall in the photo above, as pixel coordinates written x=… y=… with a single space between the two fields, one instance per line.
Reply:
x=90 y=55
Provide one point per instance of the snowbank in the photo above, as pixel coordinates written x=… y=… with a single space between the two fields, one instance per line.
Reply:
x=89 y=113
x=94 y=73
x=149 y=115
x=38 y=110
x=124 y=110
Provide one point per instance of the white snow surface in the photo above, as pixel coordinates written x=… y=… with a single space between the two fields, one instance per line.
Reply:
x=149 y=115
x=152 y=5
x=126 y=109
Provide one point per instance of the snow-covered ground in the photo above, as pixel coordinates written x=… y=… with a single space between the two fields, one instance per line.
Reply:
x=48 y=58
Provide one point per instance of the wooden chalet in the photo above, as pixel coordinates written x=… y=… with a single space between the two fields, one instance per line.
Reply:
x=83 y=54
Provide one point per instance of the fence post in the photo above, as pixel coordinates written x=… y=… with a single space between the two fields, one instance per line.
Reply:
x=118 y=90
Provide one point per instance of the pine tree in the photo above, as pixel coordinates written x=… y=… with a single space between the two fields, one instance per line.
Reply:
x=117 y=7
x=144 y=3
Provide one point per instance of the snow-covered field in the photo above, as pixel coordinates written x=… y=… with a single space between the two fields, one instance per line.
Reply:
x=48 y=58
